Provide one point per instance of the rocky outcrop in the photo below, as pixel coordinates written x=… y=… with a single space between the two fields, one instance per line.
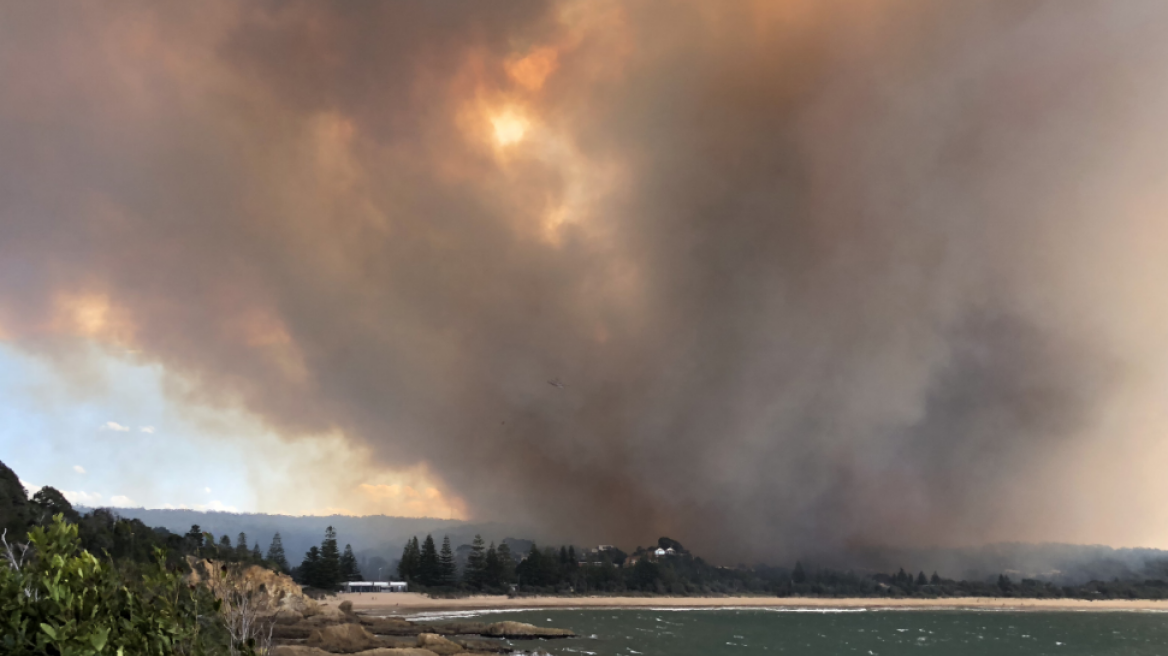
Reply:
x=343 y=639
x=337 y=630
x=521 y=630
x=252 y=577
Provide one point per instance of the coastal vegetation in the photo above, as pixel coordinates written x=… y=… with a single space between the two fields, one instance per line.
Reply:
x=91 y=584
x=670 y=569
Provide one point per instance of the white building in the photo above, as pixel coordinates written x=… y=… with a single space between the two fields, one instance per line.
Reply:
x=376 y=586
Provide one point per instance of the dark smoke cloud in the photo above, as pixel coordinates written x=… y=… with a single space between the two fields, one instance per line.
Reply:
x=835 y=274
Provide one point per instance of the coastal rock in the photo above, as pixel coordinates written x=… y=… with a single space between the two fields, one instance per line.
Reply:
x=300 y=604
x=287 y=616
x=296 y=650
x=439 y=645
x=253 y=578
x=297 y=631
x=343 y=639
x=457 y=628
x=301 y=650
x=391 y=626
x=331 y=613
x=522 y=630
x=483 y=645
x=397 y=651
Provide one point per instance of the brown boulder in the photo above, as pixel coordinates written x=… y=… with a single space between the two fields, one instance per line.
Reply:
x=438 y=644
x=343 y=639
x=522 y=630
x=287 y=616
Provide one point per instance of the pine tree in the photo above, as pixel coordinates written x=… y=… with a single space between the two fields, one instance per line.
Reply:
x=475 y=563
x=415 y=559
x=1004 y=583
x=532 y=570
x=194 y=538
x=408 y=566
x=492 y=568
x=573 y=561
x=310 y=568
x=349 y=571
x=276 y=553
x=429 y=569
x=798 y=575
x=225 y=550
x=921 y=579
x=256 y=555
x=935 y=580
x=330 y=560
x=506 y=564
x=241 y=550
x=449 y=569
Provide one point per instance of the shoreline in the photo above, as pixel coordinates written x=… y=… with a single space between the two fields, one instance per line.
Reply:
x=408 y=603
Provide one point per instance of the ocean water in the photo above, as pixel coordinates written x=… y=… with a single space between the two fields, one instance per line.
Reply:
x=876 y=633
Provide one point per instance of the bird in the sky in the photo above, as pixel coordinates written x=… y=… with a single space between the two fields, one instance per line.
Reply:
x=555 y=382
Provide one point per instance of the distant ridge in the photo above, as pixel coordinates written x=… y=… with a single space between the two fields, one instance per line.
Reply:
x=377 y=540
x=298 y=532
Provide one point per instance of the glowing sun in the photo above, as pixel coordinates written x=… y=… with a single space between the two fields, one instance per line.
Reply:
x=509 y=128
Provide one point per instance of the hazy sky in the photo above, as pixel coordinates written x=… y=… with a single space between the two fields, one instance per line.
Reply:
x=815 y=274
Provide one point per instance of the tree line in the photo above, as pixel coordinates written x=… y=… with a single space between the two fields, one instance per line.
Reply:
x=487 y=567
x=566 y=570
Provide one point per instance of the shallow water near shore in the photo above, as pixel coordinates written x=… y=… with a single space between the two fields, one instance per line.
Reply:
x=673 y=632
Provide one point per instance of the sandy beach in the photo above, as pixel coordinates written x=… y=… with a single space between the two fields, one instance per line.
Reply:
x=409 y=603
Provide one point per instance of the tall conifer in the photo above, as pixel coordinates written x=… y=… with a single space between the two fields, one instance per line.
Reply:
x=330 y=560
x=349 y=570
x=309 y=571
x=448 y=568
x=506 y=564
x=276 y=553
x=476 y=563
x=492 y=568
x=429 y=569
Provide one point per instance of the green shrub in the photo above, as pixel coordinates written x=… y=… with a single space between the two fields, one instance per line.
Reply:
x=58 y=599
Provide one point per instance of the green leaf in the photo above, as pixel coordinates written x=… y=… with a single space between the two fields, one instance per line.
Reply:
x=98 y=639
x=52 y=633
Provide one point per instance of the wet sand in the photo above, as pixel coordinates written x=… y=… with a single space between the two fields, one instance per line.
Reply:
x=409 y=603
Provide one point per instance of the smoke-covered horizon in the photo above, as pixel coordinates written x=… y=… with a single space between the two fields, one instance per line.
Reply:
x=813 y=275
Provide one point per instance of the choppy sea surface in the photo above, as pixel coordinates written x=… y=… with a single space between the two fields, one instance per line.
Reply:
x=674 y=632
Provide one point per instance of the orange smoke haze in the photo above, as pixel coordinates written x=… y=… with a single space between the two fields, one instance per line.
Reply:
x=815 y=274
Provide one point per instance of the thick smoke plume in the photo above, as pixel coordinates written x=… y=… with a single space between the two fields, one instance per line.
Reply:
x=814 y=275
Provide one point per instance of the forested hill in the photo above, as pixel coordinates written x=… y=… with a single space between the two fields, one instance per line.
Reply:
x=299 y=533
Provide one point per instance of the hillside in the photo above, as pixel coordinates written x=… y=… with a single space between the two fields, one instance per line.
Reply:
x=377 y=540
